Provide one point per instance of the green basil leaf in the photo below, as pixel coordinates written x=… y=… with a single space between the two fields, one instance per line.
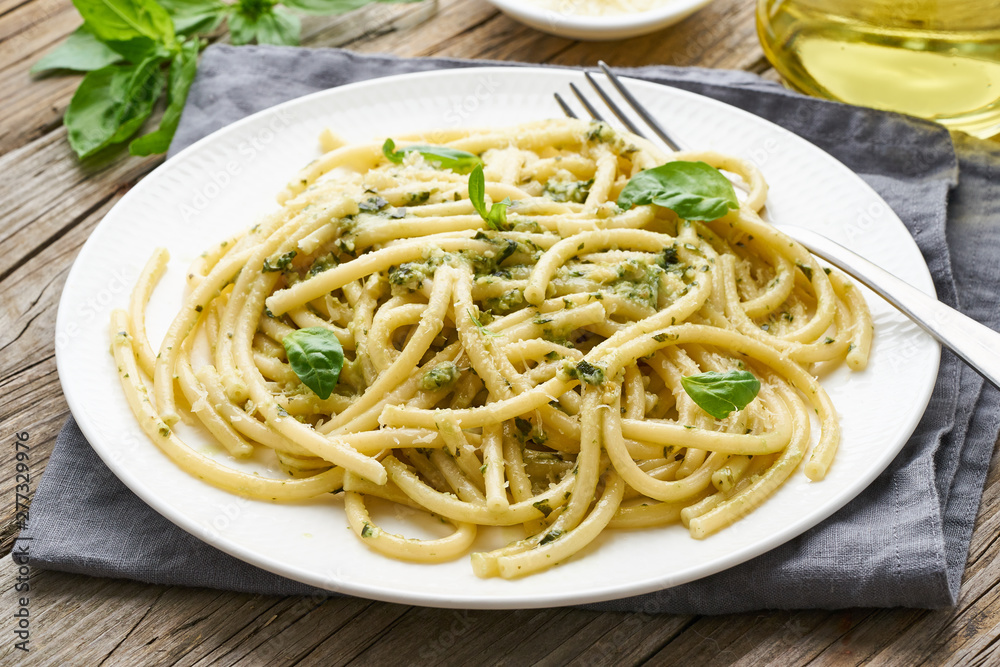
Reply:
x=182 y=71
x=280 y=27
x=269 y=26
x=195 y=16
x=718 y=394
x=496 y=219
x=280 y=263
x=440 y=157
x=137 y=29
x=390 y=152
x=496 y=216
x=586 y=372
x=333 y=6
x=442 y=375
x=477 y=191
x=316 y=357
x=80 y=52
x=242 y=28
x=692 y=190
x=111 y=104
x=572 y=191
x=482 y=328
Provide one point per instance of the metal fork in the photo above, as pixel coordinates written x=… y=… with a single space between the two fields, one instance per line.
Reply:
x=976 y=344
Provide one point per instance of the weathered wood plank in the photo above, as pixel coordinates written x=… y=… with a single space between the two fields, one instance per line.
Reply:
x=633 y=638
x=376 y=19
x=463 y=637
x=452 y=19
x=33 y=105
x=83 y=620
x=721 y=35
x=34 y=26
x=215 y=622
x=500 y=38
x=31 y=398
x=7 y=6
x=72 y=191
x=903 y=637
x=795 y=637
x=40 y=409
x=284 y=633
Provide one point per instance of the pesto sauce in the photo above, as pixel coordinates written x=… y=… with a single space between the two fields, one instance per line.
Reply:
x=443 y=375
x=568 y=191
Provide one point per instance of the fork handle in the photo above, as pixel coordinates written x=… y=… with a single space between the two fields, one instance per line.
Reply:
x=976 y=344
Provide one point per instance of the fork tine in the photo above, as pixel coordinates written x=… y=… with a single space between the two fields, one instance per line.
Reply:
x=639 y=109
x=564 y=106
x=619 y=114
x=586 y=103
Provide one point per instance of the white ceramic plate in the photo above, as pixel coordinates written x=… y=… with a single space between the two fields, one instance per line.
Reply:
x=225 y=182
x=557 y=17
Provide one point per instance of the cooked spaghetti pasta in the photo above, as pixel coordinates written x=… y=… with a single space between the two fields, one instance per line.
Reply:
x=522 y=370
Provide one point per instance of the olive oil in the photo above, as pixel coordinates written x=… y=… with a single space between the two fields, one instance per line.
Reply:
x=936 y=59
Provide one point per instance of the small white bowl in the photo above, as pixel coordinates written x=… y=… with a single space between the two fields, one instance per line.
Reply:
x=603 y=27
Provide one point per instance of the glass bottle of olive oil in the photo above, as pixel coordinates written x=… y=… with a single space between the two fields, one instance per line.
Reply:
x=938 y=59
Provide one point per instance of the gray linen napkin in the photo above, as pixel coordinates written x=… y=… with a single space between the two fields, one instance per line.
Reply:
x=902 y=542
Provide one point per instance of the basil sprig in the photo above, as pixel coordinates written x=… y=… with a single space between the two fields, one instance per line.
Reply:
x=111 y=104
x=133 y=50
x=81 y=52
x=183 y=66
x=496 y=216
x=441 y=157
x=718 y=394
x=137 y=29
x=692 y=190
x=316 y=357
x=195 y=16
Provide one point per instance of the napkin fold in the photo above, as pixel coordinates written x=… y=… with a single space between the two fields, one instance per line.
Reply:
x=902 y=542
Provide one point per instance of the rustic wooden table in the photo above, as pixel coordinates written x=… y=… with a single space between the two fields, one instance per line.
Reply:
x=50 y=203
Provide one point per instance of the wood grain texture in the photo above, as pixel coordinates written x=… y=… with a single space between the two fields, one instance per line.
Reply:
x=79 y=620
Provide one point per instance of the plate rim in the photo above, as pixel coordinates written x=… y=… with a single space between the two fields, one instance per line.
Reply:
x=601 y=26
x=363 y=589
